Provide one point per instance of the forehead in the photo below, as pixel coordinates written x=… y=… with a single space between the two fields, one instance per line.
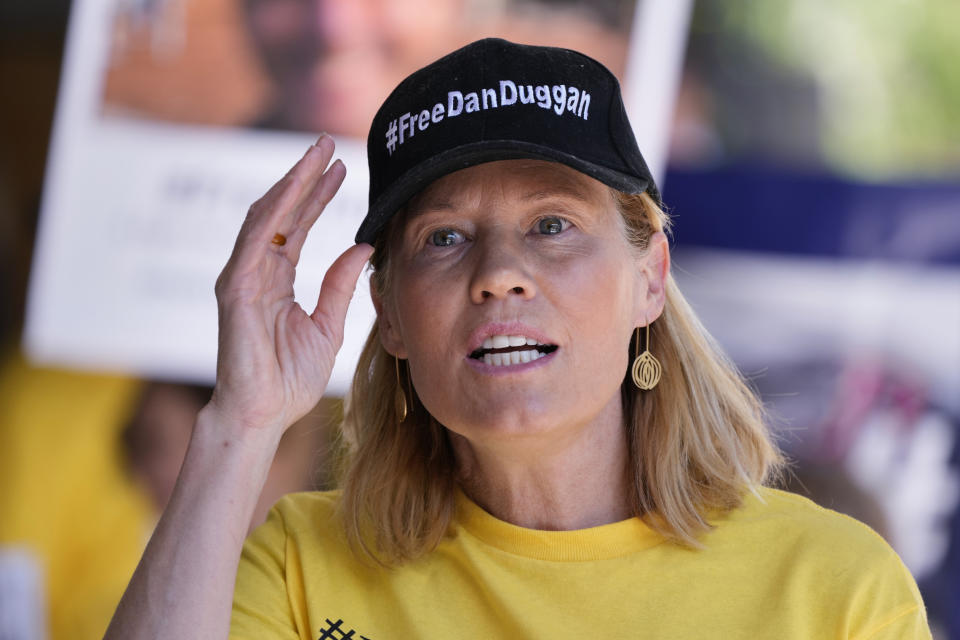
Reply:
x=526 y=180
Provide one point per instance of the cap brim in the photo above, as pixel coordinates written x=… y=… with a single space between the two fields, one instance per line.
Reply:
x=468 y=155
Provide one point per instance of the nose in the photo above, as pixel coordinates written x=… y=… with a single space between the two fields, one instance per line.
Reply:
x=500 y=272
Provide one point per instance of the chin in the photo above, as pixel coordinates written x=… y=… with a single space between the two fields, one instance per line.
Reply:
x=506 y=424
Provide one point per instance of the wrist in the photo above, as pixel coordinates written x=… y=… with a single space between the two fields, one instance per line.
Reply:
x=236 y=428
x=220 y=438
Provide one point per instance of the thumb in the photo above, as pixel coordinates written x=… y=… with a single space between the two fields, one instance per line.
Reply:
x=337 y=289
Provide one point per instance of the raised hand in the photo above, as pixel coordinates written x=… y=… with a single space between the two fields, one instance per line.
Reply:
x=274 y=360
x=273 y=365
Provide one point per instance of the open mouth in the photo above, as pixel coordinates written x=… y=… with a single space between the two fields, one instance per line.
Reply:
x=508 y=350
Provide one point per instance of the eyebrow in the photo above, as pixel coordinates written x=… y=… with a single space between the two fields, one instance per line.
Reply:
x=415 y=209
x=556 y=192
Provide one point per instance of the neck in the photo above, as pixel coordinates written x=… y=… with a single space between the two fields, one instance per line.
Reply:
x=562 y=480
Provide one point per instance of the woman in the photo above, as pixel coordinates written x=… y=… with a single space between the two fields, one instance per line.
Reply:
x=542 y=441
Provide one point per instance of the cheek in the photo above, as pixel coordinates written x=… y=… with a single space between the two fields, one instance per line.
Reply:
x=438 y=389
x=596 y=300
x=426 y=314
x=600 y=285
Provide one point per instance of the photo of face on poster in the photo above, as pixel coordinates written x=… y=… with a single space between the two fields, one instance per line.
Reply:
x=319 y=65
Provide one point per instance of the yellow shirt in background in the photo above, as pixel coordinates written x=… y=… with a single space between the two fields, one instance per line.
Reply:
x=778 y=567
x=65 y=501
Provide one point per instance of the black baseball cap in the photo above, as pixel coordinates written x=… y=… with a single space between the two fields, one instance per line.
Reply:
x=497 y=100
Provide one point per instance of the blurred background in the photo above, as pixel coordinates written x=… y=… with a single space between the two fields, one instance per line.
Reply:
x=811 y=160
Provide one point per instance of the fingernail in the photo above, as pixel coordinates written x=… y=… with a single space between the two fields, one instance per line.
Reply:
x=323 y=134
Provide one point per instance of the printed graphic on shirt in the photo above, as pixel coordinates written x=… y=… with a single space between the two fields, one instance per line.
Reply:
x=335 y=631
x=558 y=99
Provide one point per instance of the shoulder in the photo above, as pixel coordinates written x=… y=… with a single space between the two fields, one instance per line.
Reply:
x=297 y=514
x=307 y=506
x=778 y=520
x=300 y=526
x=777 y=506
x=821 y=555
x=268 y=599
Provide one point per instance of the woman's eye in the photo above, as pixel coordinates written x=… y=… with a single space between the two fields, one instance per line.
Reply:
x=445 y=238
x=551 y=225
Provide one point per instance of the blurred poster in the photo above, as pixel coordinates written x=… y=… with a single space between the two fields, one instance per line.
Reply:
x=175 y=115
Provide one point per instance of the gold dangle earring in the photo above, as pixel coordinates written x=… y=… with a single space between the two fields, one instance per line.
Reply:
x=646 y=368
x=400 y=400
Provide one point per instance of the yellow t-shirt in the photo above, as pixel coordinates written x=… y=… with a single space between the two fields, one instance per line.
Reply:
x=777 y=567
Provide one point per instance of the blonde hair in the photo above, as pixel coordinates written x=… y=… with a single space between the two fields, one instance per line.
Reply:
x=696 y=442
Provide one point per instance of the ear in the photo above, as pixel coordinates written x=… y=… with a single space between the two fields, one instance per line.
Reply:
x=655 y=268
x=387 y=324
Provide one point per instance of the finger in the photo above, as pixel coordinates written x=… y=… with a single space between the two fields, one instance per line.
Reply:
x=275 y=211
x=337 y=289
x=318 y=199
x=274 y=191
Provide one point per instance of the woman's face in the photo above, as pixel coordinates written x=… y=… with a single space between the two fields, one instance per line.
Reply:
x=509 y=261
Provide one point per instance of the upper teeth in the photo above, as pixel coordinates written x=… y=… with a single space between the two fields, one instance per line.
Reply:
x=512 y=357
x=499 y=342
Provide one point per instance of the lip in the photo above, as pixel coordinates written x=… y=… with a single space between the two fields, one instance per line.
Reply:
x=510 y=369
x=491 y=329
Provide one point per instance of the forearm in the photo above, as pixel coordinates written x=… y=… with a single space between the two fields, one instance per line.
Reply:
x=183 y=586
x=273 y=362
